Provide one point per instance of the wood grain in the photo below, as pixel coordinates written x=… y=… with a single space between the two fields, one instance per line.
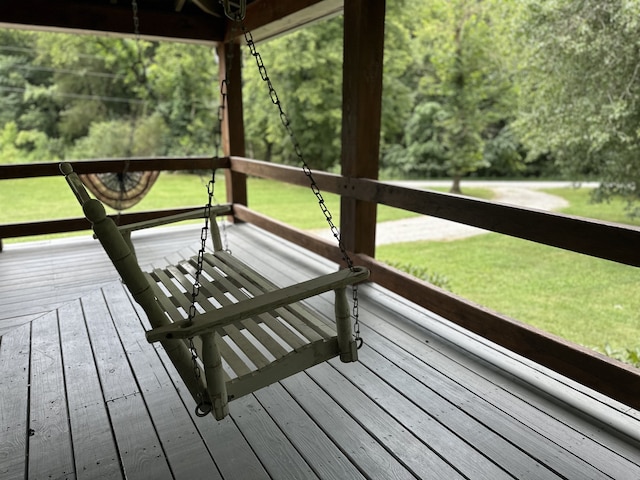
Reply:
x=180 y=439
x=15 y=351
x=50 y=450
x=139 y=447
x=94 y=446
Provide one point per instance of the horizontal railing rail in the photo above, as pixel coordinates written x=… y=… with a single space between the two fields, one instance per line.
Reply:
x=610 y=241
x=606 y=240
x=52 y=169
x=67 y=225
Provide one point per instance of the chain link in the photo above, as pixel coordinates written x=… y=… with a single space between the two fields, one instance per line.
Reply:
x=237 y=15
x=203 y=408
x=286 y=123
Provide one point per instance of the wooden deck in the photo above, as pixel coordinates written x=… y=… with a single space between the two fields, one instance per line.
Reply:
x=83 y=395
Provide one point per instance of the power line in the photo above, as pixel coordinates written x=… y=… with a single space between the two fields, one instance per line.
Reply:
x=82 y=97
x=68 y=71
x=32 y=50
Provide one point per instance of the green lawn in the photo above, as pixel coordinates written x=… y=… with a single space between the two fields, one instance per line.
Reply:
x=50 y=198
x=586 y=300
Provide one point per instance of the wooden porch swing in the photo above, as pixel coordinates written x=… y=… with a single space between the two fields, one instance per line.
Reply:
x=215 y=314
x=250 y=333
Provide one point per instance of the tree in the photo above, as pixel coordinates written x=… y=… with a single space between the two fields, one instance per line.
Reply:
x=183 y=79
x=306 y=70
x=55 y=87
x=122 y=139
x=581 y=90
x=464 y=85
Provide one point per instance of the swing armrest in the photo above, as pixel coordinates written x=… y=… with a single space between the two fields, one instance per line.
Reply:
x=216 y=210
x=74 y=182
x=266 y=302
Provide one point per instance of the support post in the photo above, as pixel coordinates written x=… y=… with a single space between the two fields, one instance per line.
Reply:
x=361 y=112
x=216 y=386
x=346 y=343
x=233 y=122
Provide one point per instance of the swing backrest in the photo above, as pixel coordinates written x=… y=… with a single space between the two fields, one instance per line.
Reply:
x=116 y=247
x=123 y=258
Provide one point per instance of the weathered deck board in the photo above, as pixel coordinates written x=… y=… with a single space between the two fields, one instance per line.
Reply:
x=15 y=353
x=313 y=444
x=426 y=400
x=94 y=446
x=363 y=449
x=185 y=452
x=50 y=450
x=57 y=279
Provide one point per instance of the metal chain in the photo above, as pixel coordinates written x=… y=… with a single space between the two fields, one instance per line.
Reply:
x=204 y=408
x=237 y=15
x=286 y=123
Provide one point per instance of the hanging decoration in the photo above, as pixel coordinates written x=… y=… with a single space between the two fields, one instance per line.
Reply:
x=120 y=190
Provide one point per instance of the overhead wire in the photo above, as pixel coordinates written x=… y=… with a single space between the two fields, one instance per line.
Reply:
x=81 y=96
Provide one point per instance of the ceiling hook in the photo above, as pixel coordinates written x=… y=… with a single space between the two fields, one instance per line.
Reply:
x=235 y=15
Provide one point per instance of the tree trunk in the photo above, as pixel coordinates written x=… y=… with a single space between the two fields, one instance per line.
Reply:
x=455 y=186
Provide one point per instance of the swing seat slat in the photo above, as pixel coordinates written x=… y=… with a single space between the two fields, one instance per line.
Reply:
x=249 y=332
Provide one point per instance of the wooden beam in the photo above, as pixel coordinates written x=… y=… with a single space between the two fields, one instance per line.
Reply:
x=114 y=19
x=233 y=121
x=328 y=182
x=597 y=238
x=361 y=113
x=313 y=243
x=607 y=240
x=52 y=169
x=65 y=225
x=268 y=19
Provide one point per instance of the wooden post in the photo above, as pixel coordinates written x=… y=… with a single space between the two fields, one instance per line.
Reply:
x=233 y=123
x=216 y=386
x=361 y=111
x=346 y=343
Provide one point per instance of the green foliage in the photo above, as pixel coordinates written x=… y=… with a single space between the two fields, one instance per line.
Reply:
x=19 y=146
x=625 y=354
x=186 y=96
x=422 y=273
x=71 y=96
x=463 y=91
x=122 y=139
x=581 y=90
x=306 y=71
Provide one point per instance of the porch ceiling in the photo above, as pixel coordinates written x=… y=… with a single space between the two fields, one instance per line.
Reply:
x=201 y=21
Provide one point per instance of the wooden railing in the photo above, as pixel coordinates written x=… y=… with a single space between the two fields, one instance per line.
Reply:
x=65 y=225
x=610 y=241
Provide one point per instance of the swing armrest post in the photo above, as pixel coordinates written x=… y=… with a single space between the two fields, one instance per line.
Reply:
x=215 y=234
x=216 y=386
x=346 y=343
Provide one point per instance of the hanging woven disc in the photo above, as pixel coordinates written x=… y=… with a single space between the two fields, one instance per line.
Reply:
x=120 y=190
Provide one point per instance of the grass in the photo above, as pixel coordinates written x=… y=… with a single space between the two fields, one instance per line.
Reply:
x=50 y=198
x=580 y=204
x=586 y=300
